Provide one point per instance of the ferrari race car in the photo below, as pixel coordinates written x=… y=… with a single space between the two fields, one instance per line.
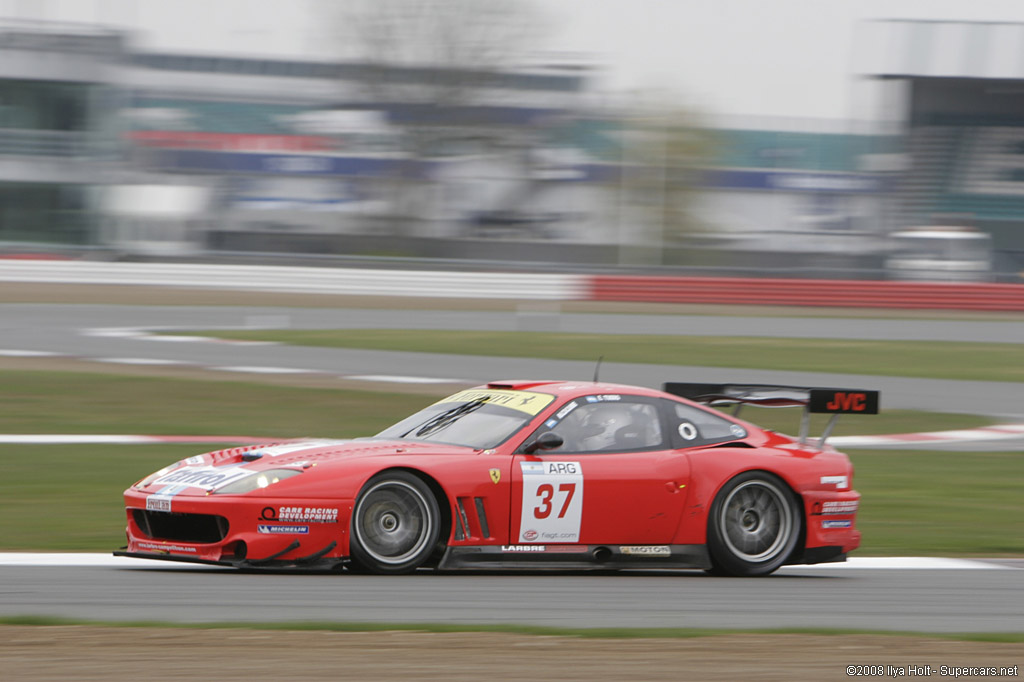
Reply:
x=534 y=474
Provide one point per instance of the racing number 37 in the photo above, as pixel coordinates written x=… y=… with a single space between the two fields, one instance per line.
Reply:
x=552 y=504
x=546 y=492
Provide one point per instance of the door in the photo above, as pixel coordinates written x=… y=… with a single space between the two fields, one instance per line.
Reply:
x=614 y=480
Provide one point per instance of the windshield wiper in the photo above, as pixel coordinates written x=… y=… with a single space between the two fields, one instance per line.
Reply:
x=440 y=421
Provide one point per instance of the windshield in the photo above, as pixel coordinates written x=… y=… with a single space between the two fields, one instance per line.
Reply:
x=476 y=418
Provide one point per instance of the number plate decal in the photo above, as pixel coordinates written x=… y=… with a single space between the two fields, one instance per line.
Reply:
x=552 y=502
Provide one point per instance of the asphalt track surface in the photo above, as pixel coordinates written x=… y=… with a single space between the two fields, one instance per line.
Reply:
x=826 y=597
x=72 y=330
x=810 y=597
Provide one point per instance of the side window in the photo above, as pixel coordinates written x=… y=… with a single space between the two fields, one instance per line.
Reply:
x=694 y=426
x=606 y=424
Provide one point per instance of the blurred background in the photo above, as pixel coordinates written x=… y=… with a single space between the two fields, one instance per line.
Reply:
x=486 y=186
x=868 y=140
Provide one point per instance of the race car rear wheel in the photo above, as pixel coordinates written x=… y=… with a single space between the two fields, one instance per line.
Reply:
x=754 y=525
x=395 y=524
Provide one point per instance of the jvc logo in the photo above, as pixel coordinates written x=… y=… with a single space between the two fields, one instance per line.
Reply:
x=847 y=402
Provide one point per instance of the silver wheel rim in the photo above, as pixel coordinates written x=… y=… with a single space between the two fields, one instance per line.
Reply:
x=393 y=522
x=756 y=521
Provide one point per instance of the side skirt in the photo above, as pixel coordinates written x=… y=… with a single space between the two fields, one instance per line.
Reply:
x=576 y=557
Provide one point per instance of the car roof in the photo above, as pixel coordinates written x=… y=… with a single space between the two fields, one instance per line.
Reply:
x=567 y=389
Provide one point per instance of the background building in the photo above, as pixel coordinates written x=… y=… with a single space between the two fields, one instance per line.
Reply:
x=960 y=89
x=138 y=154
x=59 y=104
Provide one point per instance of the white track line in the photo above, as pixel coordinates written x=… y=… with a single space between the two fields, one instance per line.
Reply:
x=912 y=563
x=160 y=362
x=75 y=439
x=203 y=339
x=404 y=380
x=173 y=339
x=113 y=332
x=997 y=432
x=127 y=439
x=264 y=370
x=12 y=353
x=146 y=335
x=871 y=563
x=83 y=559
x=140 y=361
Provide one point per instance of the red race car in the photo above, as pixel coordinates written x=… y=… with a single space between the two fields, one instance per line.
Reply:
x=533 y=474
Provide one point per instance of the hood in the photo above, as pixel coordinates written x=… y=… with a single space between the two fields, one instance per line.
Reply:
x=215 y=471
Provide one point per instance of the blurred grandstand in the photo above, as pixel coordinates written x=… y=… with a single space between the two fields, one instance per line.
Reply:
x=57 y=134
x=961 y=85
x=136 y=154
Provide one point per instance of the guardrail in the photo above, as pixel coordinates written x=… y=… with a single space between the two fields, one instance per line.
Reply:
x=809 y=292
x=526 y=286
x=310 y=280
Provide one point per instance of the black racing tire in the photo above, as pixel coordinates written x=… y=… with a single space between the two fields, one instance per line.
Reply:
x=395 y=524
x=754 y=525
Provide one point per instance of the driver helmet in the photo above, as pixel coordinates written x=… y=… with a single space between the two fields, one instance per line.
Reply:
x=602 y=424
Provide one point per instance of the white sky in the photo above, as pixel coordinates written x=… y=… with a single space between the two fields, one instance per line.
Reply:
x=786 y=58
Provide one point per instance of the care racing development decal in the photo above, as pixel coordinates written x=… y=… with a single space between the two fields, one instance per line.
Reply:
x=839 y=507
x=552 y=508
x=299 y=514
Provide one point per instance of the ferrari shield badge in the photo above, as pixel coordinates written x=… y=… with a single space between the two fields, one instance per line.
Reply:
x=495 y=475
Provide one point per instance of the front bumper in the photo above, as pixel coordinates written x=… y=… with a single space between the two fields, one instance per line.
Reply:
x=238 y=531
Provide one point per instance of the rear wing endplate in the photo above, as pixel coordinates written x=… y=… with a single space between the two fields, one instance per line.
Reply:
x=834 y=401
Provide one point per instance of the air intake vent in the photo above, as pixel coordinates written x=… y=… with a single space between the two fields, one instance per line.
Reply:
x=471 y=519
x=194 y=528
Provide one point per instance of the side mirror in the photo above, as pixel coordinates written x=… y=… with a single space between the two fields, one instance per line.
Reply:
x=549 y=440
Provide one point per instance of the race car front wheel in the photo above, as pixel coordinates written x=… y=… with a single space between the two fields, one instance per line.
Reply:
x=754 y=525
x=395 y=524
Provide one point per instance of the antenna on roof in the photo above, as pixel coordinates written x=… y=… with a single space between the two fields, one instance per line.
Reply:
x=597 y=370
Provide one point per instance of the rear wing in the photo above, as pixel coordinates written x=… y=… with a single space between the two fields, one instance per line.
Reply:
x=834 y=401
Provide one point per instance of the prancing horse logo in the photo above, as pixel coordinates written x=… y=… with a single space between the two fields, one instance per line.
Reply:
x=495 y=475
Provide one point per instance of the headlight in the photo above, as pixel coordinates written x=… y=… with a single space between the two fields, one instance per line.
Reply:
x=157 y=474
x=259 y=479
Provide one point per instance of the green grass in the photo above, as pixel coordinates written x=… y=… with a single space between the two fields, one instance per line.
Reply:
x=68 y=497
x=536 y=630
x=940 y=503
x=69 y=402
x=935 y=359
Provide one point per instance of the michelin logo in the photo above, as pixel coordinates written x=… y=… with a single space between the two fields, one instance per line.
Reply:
x=836 y=524
x=282 y=530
